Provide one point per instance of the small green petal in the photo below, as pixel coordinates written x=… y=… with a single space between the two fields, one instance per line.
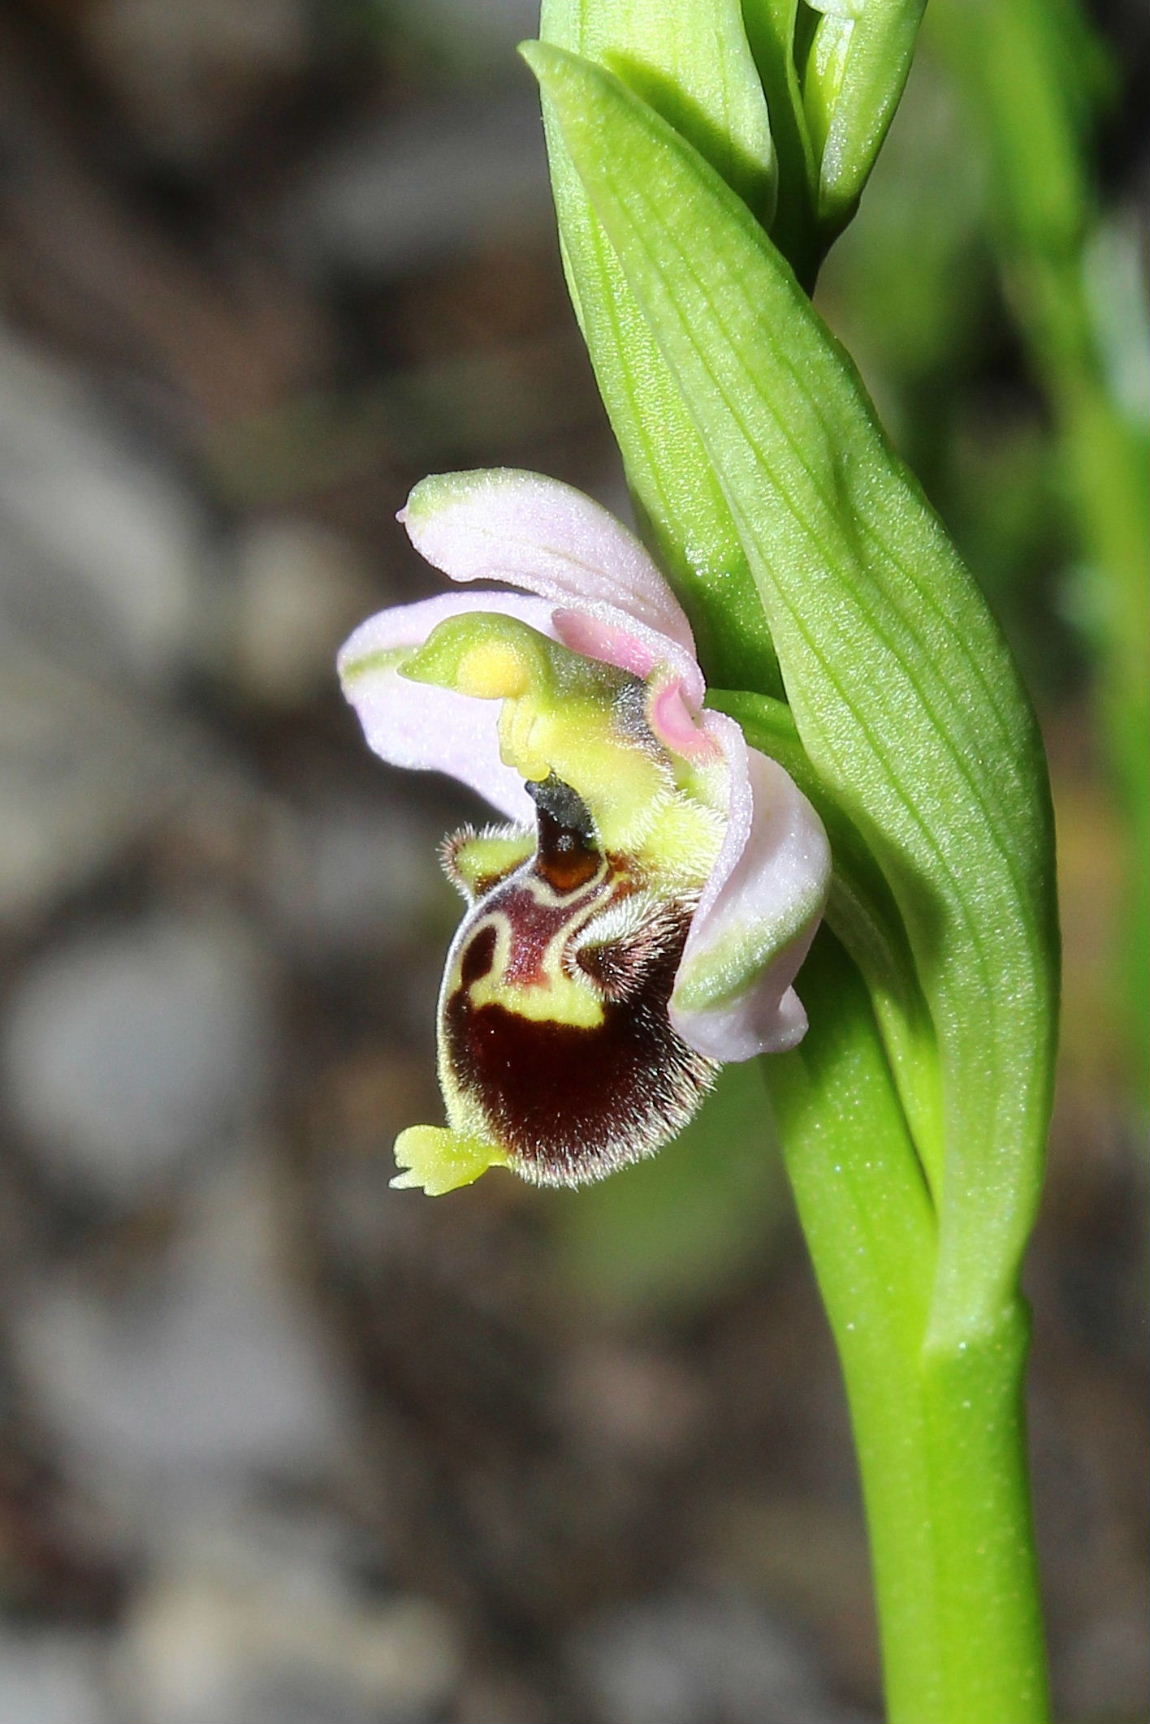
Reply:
x=477 y=861
x=488 y=656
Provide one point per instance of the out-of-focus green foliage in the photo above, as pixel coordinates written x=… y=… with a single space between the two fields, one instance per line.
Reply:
x=681 y=1229
x=1030 y=72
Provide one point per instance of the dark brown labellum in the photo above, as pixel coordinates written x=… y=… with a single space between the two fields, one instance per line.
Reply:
x=554 y=1017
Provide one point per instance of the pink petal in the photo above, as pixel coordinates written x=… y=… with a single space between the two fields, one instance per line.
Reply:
x=763 y=1022
x=757 y=915
x=602 y=631
x=500 y=524
x=415 y=724
x=678 y=724
x=610 y=641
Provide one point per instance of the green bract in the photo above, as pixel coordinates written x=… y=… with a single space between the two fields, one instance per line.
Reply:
x=903 y=694
x=690 y=69
x=737 y=83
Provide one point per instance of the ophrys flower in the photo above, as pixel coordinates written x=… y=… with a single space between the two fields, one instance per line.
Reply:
x=644 y=913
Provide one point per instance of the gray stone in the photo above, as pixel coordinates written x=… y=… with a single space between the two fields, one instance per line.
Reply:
x=128 y=1050
x=1103 y=1670
x=409 y=191
x=189 y=73
x=350 y=876
x=297 y=591
x=245 y=1622
x=52 y=1678
x=699 y=1659
x=480 y=36
x=103 y=551
x=83 y=770
x=209 y=1364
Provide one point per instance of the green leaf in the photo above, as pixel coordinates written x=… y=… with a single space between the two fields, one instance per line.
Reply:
x=695 y=67
x=902 y=689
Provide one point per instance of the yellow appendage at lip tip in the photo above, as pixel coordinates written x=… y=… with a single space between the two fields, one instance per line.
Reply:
x=436 y=1160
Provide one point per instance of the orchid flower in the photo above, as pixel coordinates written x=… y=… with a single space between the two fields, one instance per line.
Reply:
x=642 y=914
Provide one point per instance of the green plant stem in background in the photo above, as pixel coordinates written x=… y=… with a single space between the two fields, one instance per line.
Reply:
x=1028 y=68
x=939 y=1434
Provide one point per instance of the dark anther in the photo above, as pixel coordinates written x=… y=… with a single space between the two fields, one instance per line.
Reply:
x=563 y=804
x=566 y=854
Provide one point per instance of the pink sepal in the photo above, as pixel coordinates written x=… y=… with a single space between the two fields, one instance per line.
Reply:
x=501 y=524
x=418 y=725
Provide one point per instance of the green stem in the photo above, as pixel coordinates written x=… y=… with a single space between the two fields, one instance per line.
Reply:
x=993 y=1654
x=939 y=1430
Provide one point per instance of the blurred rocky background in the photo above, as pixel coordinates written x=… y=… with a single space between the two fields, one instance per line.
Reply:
x=277 y=1444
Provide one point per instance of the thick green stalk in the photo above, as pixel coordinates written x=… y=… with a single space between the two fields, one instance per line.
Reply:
x=994 y=1661
x=940 y=1434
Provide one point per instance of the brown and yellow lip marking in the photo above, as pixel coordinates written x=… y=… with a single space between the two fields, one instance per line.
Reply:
x=554 y=1028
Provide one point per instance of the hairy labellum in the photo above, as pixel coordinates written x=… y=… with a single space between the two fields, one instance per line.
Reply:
x=555 y=1040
